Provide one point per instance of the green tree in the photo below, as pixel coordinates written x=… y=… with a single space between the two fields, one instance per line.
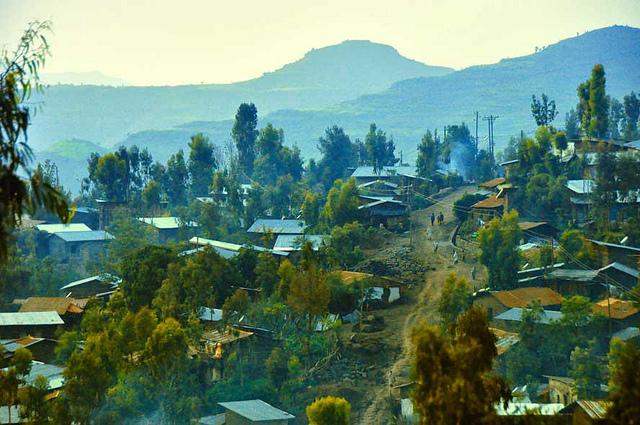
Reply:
x=276 y=366
x=337 y=155
x=143 y=273
x=201 y=164
x=575 y=249
x=329 y=411
x=33 y=406
x=380 y=150
x=631 y=104
x=268 y=166
x=343 y=246
x=244 y=136
x=455 y=299
x=311 y=208
x=583 y=109
x=151 y=195
x=14 y=377
x=560 y=141
x=342 y=203
x=543 y=110
x=587 y=371
x=625 y=391
x=22 y=191
x=266 y=273
x=598 y=105
x=499 y=242
x=572 y=124
x=428 y=153
x=177 y=176
x=460 y=369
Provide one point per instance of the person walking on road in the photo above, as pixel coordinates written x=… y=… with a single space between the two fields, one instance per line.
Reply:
x=433 y=218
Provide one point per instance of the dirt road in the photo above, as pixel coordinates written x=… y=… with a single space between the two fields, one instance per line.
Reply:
x=421 y=303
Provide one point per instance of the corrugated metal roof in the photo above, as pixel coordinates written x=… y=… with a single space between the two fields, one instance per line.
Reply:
x=522 y=297
x=621 y=268
x=60 y=228
x=60 y=305
x=490 y=184
x=256 y=410
x=515 y=315
x=167 y=222
x=53 y=374
x=576 y=275
x=582 y=187
x=227 y=246
x=226 y=336
x=265 y=225
x=90 y=236
x=627 y=333
x=535 y=409
x=38 y=318
x=389 y=171
x=596 y=409
x=491 y=202
x=295 y=242
x=620 y=309
x=212 y=420
x=614 y=245
x=11 y=345
x=102 y=278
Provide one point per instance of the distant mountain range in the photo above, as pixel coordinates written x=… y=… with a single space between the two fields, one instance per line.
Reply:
x=323 y=77
x=351 y=84
x=82 y=78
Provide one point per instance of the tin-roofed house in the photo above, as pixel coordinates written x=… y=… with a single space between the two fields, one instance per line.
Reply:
x=570 y=282
x=42 y=349
x=587 y=412
x=612 y=252
x=497 y=302
x=511 y=319
x=78 y=246
x=69 y=309
x=384 y=210
x=401 y=175
x=623 y=313
x=250 y=412
x=170 y=228
x=291 y=243
x=39 y=324
x=580 y=198
x=99 y=286
x=277 y=226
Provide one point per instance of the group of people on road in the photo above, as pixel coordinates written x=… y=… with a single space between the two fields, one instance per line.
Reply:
x=439 y=217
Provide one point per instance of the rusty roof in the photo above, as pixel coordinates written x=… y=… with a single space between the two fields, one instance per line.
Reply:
x=225 y=336
x=350 y=277
x=522 y=297
x=60 y=305
x=491 y=202
x=596 y=409
x=620 y=309
x=490 y=184
x=528 y=225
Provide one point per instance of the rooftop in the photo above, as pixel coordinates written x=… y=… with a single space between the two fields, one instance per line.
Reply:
x=11 y=345
x=60 y=305
x=491 y=202
x=256 y=410
x=530 y=225
x=85 y=236
x=620 y=309
x=595 y=409
x=39 y=318
x=210 y=314
x=615 y=245
x=522 y=297
x=493 y=183
x=581 y=187
x=274 y=225
x=575 y=275
x=60 y=228
x=167 y=222
x=515 y=315
x=295 y=242
x=227 y=246
x=535 y=409
x=388 y=171
x=102 y=278
x=378 y=182
x=225 y=336
x=627 y=333
x=621 y=268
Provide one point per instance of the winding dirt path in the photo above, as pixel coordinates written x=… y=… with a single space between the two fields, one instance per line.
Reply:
x=424 y=305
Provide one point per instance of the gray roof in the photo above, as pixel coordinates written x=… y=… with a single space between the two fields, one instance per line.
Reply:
x=102 y=278
x=167 y=222
x=515 y=314
x=633 y=145
x=256 y=410
x=627 y=333
x=396 y=170
x=53 y=374
x=10 y=345
x=59 y=228
x=581 y=186
x=577 y=275
x=220 y=246
x=621 y=268
x=615 y=245
x=90 y=236
x=264 y=225
x=212 y=420
x=295 y=242
x=210 y=314
x=35 y=318
x=224 y=253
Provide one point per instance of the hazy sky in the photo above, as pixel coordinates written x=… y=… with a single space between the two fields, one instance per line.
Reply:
x=192 y=41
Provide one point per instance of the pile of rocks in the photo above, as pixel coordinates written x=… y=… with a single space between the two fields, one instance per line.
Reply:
x=392 y=262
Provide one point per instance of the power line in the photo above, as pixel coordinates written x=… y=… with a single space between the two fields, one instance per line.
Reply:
x=490 y=120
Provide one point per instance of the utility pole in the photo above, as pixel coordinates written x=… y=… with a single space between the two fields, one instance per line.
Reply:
x=490 y=120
